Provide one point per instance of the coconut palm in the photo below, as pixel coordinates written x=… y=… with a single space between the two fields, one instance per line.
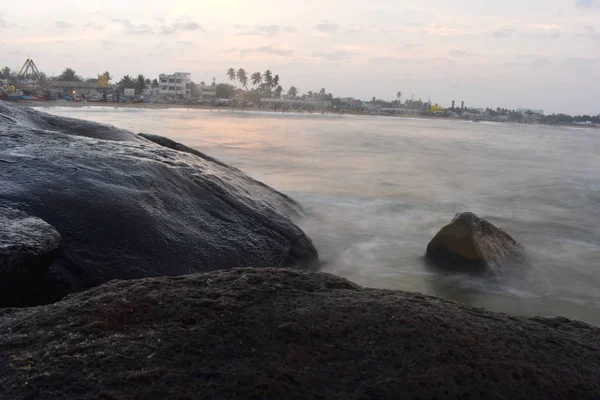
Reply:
x=242 y=77
x=293 y=92
x=107 y=75
x=256 y=78
x=268 y=79
x=69 y=74
x=140 y=83
x=231 y=75
x=127 y=82
x=278 y=91
x=399 y=97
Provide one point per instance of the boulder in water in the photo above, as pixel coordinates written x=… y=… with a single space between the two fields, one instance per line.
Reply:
x=127 y=207
x=286 y=334
x=473 y=241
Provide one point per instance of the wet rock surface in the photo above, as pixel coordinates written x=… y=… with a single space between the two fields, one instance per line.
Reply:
x=286 y=334
x=128 y=208
x=469 y=241
x=28 y=245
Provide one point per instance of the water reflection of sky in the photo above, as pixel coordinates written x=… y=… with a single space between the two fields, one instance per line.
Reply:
x=377 y=189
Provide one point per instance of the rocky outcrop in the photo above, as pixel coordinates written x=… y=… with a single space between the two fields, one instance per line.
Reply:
x=285 y=334
x=129 y=208
x=470 y=241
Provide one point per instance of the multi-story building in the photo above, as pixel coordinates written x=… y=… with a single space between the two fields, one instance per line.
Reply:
x=180 y=83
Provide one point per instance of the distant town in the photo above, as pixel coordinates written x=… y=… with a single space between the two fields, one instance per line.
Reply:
x=262 y=90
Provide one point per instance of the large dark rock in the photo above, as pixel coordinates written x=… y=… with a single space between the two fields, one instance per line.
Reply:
x=285 y=334
x=129 y=208
x=473 y=242
x=28 y=245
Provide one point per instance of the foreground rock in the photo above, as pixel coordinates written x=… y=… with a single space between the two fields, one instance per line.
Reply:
x=28 y=245
x=130 y=208
x=284 y=334
x=472 y=241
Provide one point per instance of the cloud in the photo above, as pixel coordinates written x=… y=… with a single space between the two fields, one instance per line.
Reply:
x=266 y=50
x=93 y=26
x=264 y=30
x=177 y=27
x=581 y=62
x=326 y=27
x=586 y=3
x=458 y=53
x=108 y=44
x=543 y=32
x=534 y=60
x=333 y=55
x=504 y=32
x=62 y=25
x=590 y=32
x=184 y=43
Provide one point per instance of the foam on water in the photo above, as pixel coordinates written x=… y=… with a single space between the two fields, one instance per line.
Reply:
x=376 y=190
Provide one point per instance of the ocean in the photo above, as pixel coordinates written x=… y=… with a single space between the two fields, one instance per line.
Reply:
x=376 y=189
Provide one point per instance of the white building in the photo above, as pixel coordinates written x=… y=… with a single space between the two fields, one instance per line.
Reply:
x=178 y=83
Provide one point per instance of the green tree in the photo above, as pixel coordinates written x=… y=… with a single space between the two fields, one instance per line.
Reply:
x=293 y=92
x=6 y=73
x=225 y=91
x=140 y=83
x=256 y=78
x=275 y=80
x=127 y=82
x=268 y=79
x=278 y=91
x=231 y=75
x=107 y=75
x=155 y=83
x=242 y=78
x=69 y=74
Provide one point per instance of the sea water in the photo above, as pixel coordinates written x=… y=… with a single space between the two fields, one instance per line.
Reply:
x=376 y=189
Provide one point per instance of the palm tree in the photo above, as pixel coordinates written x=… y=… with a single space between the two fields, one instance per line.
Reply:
x=126 y=82
x=278 y=91
x=5 y=73
x=399 y=97
x=276 y=80
x=231 y=74
x=69 y=74
x=242 y=77
x=256 y=78
x=107 y=75
x=140 y=83
x=268 y=78
x=293 y=92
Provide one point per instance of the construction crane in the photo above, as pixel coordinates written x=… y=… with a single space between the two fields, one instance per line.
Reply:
x=28 y=66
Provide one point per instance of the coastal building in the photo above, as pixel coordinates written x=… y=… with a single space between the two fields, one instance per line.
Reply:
x=206 y=92
x=180 y=83
x=79 y=88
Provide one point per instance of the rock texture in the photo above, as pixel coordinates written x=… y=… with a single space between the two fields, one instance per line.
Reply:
x=473 y=242
x=28 y=245
x=286 y=334
x=127 y=207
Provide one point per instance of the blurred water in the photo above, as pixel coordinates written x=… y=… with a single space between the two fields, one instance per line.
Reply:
x=377 y=189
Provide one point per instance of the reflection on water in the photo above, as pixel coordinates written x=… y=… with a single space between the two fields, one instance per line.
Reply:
x=377 y=189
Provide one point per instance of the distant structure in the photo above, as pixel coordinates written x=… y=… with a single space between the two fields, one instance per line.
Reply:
x=180 y=83
x=530 y=111
x=29 y=69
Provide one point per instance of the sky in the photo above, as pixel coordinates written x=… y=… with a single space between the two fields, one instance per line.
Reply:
x=510 y=54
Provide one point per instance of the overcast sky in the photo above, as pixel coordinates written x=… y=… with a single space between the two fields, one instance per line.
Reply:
x=511 y=53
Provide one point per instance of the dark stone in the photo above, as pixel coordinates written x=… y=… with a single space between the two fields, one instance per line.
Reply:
x=28 y=245
x=470 y=241
x=129 y=208
x=286 y=334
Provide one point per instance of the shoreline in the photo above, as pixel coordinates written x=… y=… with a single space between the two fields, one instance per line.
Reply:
x=162 y=106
